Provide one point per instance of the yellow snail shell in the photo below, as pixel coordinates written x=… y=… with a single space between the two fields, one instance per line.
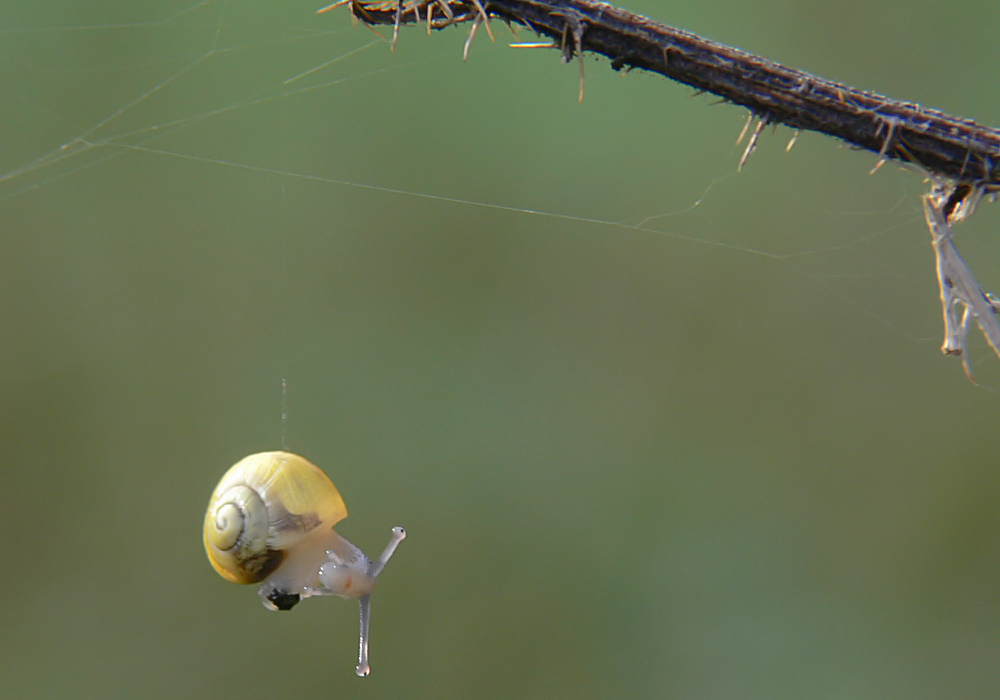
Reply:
x=270 y=521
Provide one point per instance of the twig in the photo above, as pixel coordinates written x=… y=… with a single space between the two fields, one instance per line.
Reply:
x=943 y=206
x=948 y=147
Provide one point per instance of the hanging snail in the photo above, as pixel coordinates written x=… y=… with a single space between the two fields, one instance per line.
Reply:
x=270 y=521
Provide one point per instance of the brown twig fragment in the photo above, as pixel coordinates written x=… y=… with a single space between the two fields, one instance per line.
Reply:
x=945 y=206
x=951 y=148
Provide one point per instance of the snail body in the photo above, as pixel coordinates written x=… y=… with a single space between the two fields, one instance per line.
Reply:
x=270 y=521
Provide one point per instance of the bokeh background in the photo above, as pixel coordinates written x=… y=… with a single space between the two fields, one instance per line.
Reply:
x=656 y=428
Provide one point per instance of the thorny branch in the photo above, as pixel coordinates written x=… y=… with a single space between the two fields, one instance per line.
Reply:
x=949 y=147
x=961 y=157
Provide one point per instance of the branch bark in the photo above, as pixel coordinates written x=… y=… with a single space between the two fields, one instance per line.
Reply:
x=948 y=147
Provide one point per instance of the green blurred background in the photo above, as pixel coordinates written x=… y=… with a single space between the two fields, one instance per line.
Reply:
x=717 y=455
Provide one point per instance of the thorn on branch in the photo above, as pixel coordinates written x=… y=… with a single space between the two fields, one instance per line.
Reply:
x=791 y=141
x=472 y=35
x=485 y=18
x=754 y=137
x=575 y=25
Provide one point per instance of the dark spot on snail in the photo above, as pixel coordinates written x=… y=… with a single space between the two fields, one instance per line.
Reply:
x=283 y=600
x=262 y=565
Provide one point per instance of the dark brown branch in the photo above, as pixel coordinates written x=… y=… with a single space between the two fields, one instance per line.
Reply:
x=949 y=147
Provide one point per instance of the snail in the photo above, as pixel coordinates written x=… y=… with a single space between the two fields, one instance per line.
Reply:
x=270 y=521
